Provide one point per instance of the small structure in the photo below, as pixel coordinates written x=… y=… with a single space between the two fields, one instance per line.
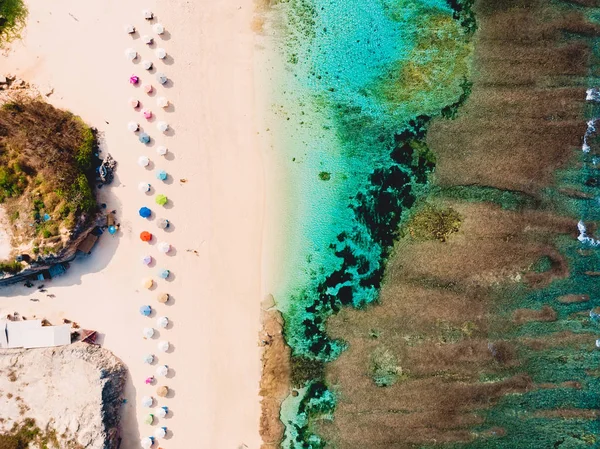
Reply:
x=87 y=244
x=31 y=334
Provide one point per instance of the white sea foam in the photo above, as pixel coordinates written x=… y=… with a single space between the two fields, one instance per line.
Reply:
x=583 y=237
x=592 y=94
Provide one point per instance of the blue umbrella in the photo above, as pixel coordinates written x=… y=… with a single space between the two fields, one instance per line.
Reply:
x=112 y=230
x=162 y=175
x=144 y=138
x=164 y=274
x=145 y=212
x=146 y=310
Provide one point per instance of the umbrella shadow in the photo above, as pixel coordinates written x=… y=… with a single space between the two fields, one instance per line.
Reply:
x=169 y=327
x=150 y=166
x=168 y=60
x=171 y=227
x=170 y=108
x=173 y=252
x=170 y=204
x=135 y=35
x=170 y=156
x=169 y=433
x=169 y=180
x=171 y=301
x=170 y=132
x=171 y=393
x=166 y=36
x=172 y=348
x=171 y=277
x=169 y=84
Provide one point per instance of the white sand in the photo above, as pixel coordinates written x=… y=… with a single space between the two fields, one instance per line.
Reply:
x=78 y=48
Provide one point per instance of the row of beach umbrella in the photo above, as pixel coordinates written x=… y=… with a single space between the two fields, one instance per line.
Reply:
x=146 y=212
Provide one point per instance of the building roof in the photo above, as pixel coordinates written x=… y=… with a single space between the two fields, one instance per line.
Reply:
x=31 y=334
x=87 y=243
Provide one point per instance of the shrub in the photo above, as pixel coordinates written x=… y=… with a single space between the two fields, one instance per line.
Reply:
x=10 y=267
x=12 y=18
x=305 y=370
x=434 y=223
x=384 y=367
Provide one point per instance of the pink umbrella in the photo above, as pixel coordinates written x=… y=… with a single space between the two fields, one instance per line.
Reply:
x=150 y=380
x=148 y=88
x=147 y=114
x=134 y=79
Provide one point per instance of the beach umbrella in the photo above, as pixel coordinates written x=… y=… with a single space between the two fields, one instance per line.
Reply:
x=164 y=346
x=147 y=39
x=162 y=297
x=148 y=358
x=147 y=64
x=145 y=212
x=147 y=283
x=145 y=236
x=112 y=230
x=147 y=114
x=131 y=54
x=133 y=126
x=162 y=126
x=149 y=419
x=161 y=78
x=147 y=401
x=144 y=187
x=162 y=370
x=161 y=432
x=134 y=79
x=164 y=274
x=162 y=102
x=146 y=310
x=162 y=223
x=147 y=260
x=134 y=103
x=149 y=380
x=144 y=138
x=162 y=321
x=162 y=175
x=148 y=15
x=164 y=247
x=148 y=332
x=129 y=29
x=162 y=411
x=162 y=391
x=160 y=53
x=143 y=161
x=161 y=199
x=147 y=442
x=162 y=150
x=148 y=88
x=158 y=28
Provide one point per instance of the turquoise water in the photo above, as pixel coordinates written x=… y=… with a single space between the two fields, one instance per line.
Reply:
x=361 y=82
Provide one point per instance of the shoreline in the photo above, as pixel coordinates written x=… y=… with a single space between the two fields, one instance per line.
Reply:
x=217 y=215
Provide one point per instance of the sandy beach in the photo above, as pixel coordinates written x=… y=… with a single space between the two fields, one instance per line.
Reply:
x=216 y=213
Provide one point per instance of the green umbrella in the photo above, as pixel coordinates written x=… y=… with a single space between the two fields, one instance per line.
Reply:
x=161 y=200
x=149 y=419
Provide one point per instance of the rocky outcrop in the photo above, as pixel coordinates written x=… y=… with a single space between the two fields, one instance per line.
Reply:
x=74 y=392
x=275 y=381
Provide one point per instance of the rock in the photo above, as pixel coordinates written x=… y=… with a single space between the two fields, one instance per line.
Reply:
x=3 y=79
x=47 y=91
x=18 y=83
x=75 y=390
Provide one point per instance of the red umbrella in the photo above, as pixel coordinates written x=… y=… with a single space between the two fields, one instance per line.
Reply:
x=145 y=236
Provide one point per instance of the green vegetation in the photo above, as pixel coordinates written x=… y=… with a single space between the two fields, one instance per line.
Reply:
x=12 y=19
x=46 y=171
x=305 y=370
x=434 y=223
x=23 y=435
x=324 y=176
x=10 y=267
x=384 y=369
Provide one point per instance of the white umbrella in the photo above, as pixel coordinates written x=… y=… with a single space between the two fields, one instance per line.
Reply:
x=162 y=370
x=162 y=78
x=161 y=432
x=131 y=54
x=148 y=359
x=162 y=321
x=144 y=187
x=143 y=161
x=148 y=332
x=129 y=29
x=162 y=126
x=148 y=15
x=162 y=412
x=162 y=150
x=147 y=64
x=133 y=126
x=160 y=53
x=147 y=401
x=146 y=442
x=147 y=39
x=164 y=247
x=162 y=102
x=158 y=28
x=163 y=346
